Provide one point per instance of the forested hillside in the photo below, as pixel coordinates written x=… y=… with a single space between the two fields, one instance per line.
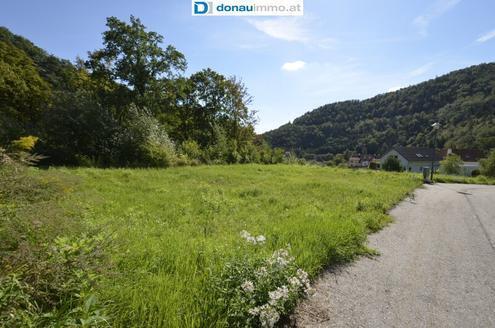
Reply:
x=126 y=104
x=462 y=101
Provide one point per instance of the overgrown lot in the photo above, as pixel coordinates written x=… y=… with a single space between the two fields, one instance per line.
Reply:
x=215 y=245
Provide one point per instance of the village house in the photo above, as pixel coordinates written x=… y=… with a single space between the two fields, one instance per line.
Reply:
x=414 y=159
x=360 y=161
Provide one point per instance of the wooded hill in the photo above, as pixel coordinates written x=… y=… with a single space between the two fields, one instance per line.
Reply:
x=462 y=101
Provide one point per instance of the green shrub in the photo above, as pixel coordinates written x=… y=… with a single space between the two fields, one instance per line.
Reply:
x=392 y=164
x=191 y=149
x=145 y=141
x=451 y=165
x=488 y=165
x=277 y=155
x=249 y=153
x=159 y=153
x=24 y=143
x=48 y=265
x=53 y=285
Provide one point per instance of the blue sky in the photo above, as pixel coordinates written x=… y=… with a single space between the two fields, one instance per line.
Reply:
x=339 y=49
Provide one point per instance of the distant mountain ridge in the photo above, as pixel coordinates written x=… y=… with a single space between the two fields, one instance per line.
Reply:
x=463 y=101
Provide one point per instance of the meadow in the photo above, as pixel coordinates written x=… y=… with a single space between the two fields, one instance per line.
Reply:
x=177 y=242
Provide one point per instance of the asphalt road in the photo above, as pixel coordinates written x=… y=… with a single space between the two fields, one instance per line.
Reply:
x=436 y=269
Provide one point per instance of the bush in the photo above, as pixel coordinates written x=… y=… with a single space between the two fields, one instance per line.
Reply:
x=53 y=285
x=24 y=143
x=47 y=274
x=475 y=173
x=257 y=292
x=392 y=164
x=144 y=141
x=249 y=153
x=191 y=149
x=277 y=155
x=46 y=277
x=451 y=165
x=488 y=165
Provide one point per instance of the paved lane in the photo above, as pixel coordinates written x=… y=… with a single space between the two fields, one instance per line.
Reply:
x=436 y=269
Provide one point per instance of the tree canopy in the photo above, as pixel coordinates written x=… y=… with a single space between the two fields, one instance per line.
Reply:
x=128 y=104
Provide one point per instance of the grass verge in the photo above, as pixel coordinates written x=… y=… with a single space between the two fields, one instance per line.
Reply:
x=443 y=178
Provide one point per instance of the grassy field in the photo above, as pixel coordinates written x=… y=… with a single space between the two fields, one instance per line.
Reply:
x=172 y=234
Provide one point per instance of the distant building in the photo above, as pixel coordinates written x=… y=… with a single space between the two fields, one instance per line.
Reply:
x=414 y=159
x=354 y=161
x=360 y=161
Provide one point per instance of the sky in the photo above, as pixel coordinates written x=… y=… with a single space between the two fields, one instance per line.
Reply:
x=339 y=49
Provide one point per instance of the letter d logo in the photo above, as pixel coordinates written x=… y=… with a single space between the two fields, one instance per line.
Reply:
x=200 y=8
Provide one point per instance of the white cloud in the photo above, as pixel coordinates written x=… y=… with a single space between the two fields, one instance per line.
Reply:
x=293 y=66
x=487 y=36
x=438 y=8
x=421 y=70
x=288 y=29
x=293 y=29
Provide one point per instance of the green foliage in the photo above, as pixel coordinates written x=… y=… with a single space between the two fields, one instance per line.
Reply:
x=451 y=165
x=480 y=179
x=191 y=149
x=134 y=56
x=146 y=141
x=127 y=105
x=392 y=164
x=488 y=165
x=338 y=160
x=47 y=273
x=23 y=93
x=475 y=173
x=24 y=143
x=463 y=101
x=79 y=130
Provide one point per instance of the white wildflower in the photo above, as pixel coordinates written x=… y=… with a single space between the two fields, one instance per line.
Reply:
x=254 y=311
x=260 y=239
x=248 y=286
x=303 y=277
x=295 y=282
x=268 y=316
x=252 y=239
x=261 y=272
x=281 y=258
x=280 y=294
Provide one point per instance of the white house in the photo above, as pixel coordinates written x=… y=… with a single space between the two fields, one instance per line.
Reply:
x=414 y=159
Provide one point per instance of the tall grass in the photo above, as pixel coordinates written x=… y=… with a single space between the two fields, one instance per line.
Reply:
x=174 y=230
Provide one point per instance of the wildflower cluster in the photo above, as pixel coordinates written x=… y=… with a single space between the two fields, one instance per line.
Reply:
x=255 y=240
x=259 y=291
